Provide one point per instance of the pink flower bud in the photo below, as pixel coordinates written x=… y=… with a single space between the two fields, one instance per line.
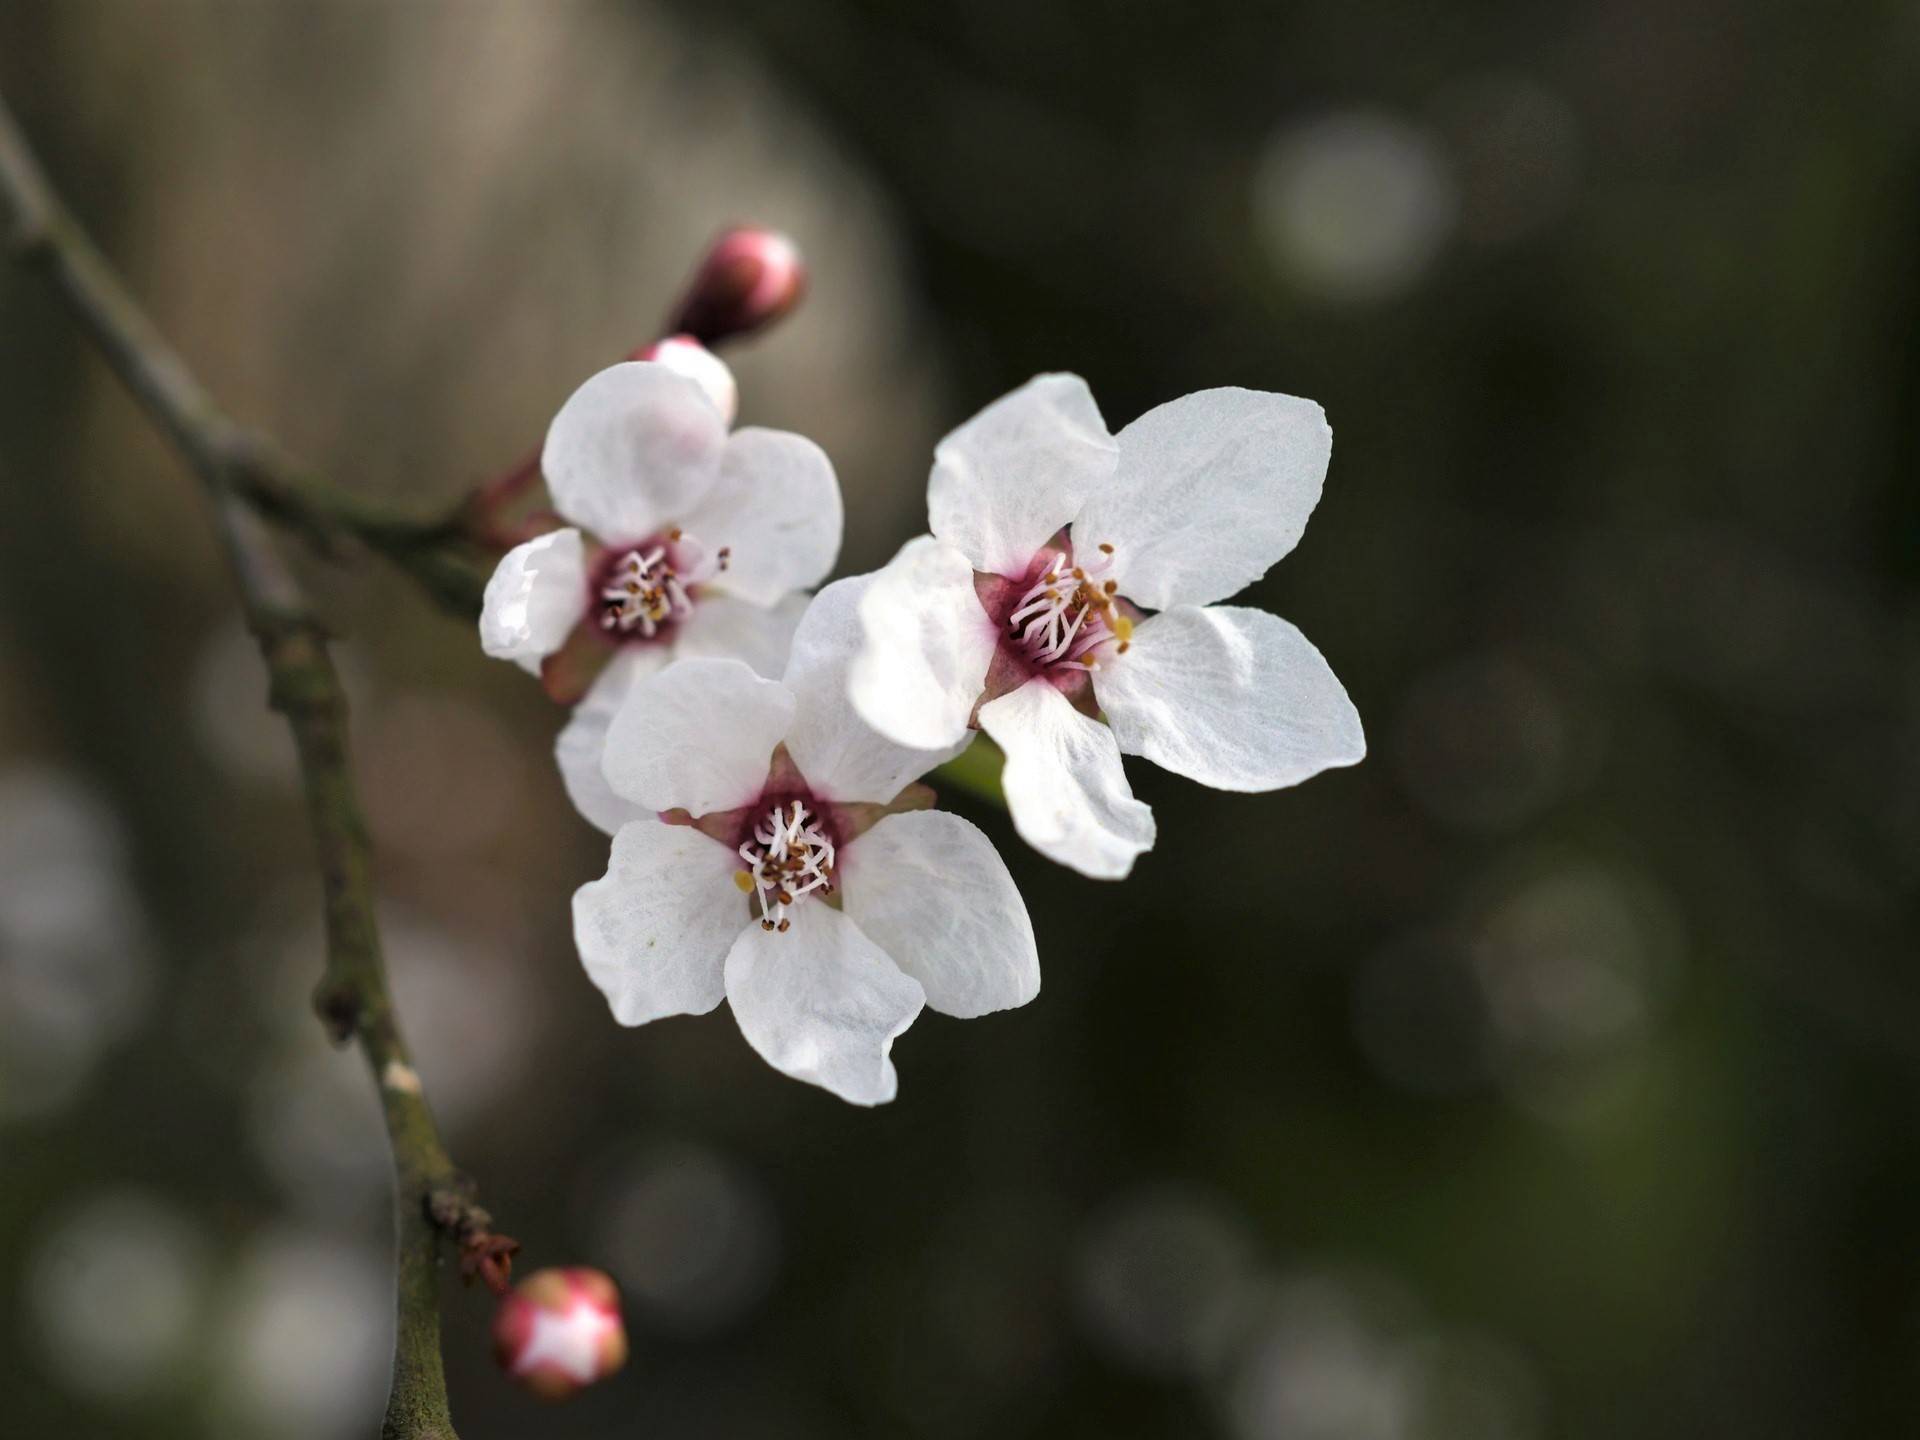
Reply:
x=559 y=1330
x=686 y=356
x=750 y=278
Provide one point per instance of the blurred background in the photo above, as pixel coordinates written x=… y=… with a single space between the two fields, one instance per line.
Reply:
x=1553 y=1073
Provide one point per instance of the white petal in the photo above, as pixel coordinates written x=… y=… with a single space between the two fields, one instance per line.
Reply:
x=776 y=507
x=822 y=1003
x=923 y=648
x=842 y=756
x=536 y=596
x=724 y=628
x=697 y=737
x=1212 y=489
x=930 y=890
x=1234 y=698
x=582 y=742
x=654 y=933
x=1065 y=787
x=1010 y=477
x=632 y=450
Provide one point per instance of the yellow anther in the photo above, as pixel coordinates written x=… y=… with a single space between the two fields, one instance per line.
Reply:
x=1122 y=630
x=743 y=881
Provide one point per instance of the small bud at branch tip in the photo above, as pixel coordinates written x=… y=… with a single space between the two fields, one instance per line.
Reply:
x=558 y=1331
x=749 y=278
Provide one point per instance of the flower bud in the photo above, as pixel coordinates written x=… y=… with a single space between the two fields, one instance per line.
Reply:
x=750 y=278
x=559 y=1330
x=686 y=356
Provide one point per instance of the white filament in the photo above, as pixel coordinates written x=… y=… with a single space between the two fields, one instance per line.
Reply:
x=647 y=589
x=792 y=859
x=1052 y=619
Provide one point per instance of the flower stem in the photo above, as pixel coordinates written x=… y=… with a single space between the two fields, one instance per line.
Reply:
x=974 y=771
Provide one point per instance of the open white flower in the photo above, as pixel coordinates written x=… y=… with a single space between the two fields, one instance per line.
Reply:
x=683 y=540
x=799 y=875
x=1025 y=613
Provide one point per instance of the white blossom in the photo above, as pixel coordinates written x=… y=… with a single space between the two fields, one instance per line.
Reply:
x=800 y=878
x=682 y=539
x=1028 y=613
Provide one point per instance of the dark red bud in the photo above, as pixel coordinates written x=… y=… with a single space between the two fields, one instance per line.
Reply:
x=749 y=279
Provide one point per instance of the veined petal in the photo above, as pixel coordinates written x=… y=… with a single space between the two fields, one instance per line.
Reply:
x=1010 y=477
x=536 y=595
x=725 y=628
x=654 y=932
x=923 y=648
x=1065 y=787
x=930 y=890
x=776 y=507
x=697 y=736
x=632 y=450
x=821 y=1002
x=1232 y=697
x=582 y=742
x=842 y=756
x=1212 y=490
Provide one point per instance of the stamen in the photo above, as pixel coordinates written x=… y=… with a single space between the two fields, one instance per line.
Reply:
x=650 y=588
x=1062 y=624
x=789 y=858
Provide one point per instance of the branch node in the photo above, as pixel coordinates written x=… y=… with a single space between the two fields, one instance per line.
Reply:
x=337 y=1003
x=483 y=1253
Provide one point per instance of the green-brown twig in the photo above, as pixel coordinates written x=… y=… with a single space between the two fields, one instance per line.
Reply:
x=242 y=475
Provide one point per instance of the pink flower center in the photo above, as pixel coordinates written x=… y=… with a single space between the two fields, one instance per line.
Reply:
x=651 y=585
x=1059 y=612
x=789 y=854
